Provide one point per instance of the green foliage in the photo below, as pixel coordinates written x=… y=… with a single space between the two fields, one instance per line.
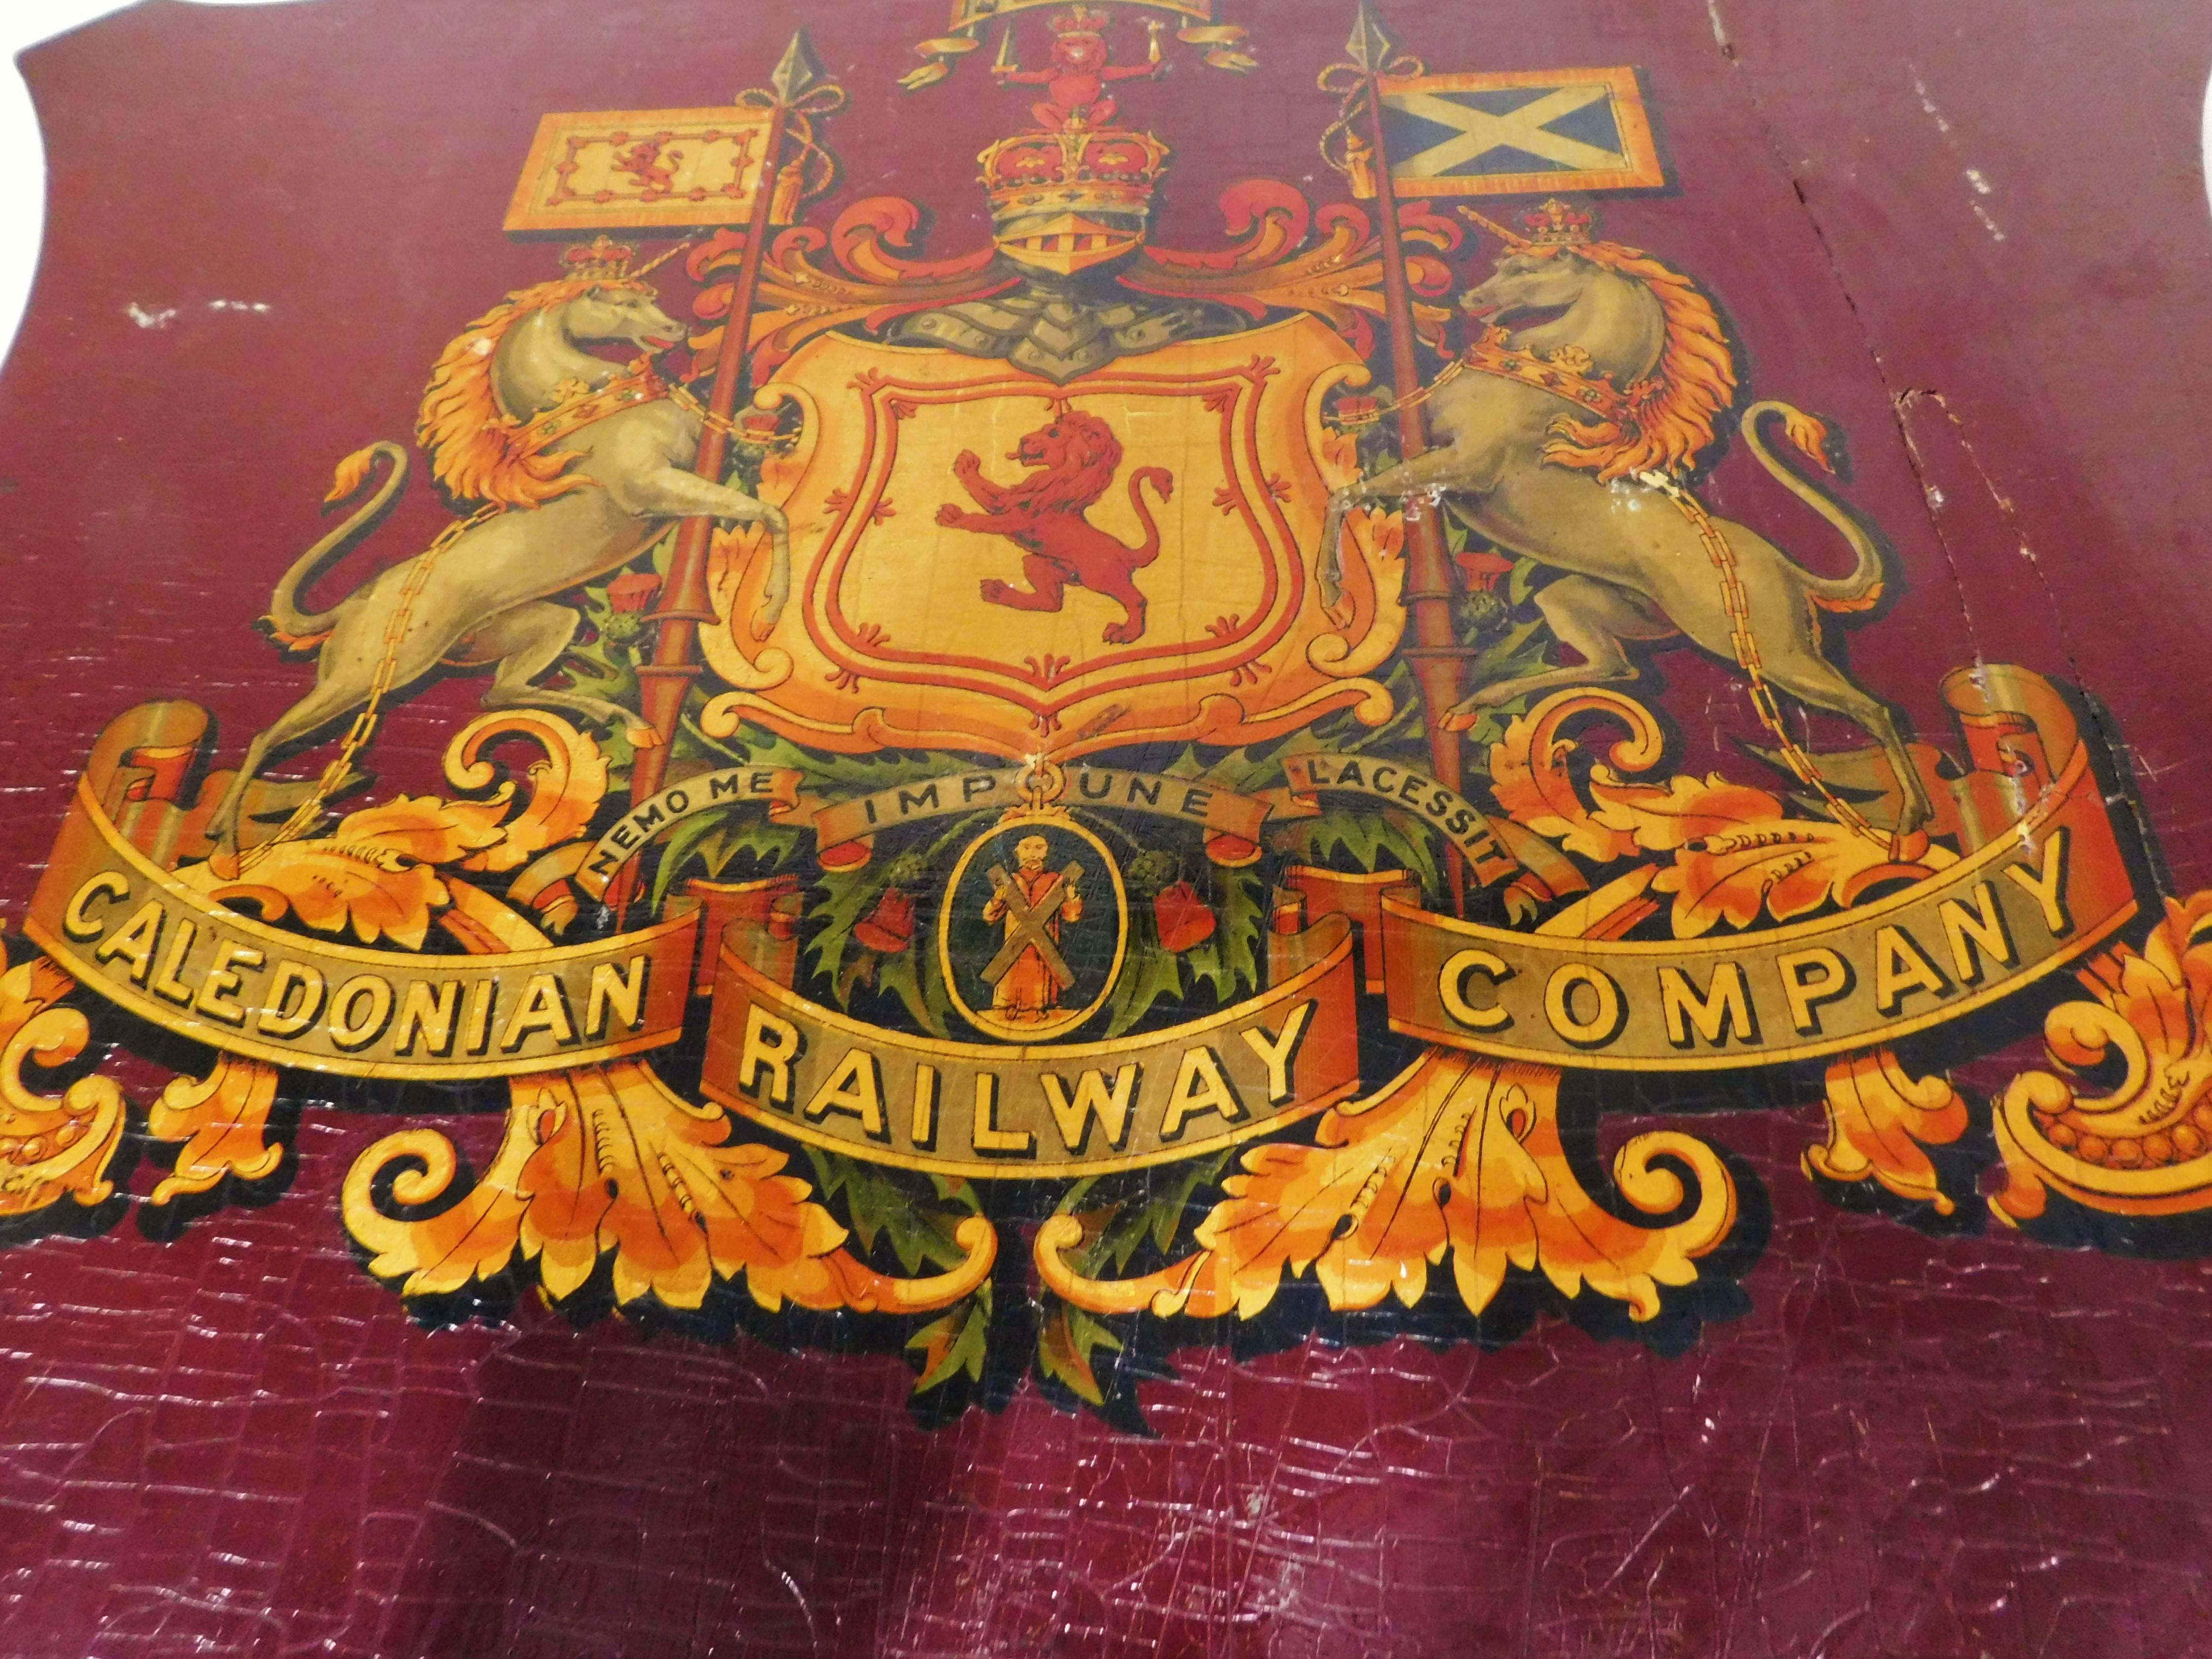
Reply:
x=1150 y=974
x=845 y=897
x=1129 y=1210
x=955 y=1343
x=605 y=667
x=1238 y=771
x=1368 y=840
x=917 y=980
x=1518 y=649
x=1231 y=957
x=1122 y=1214
x=915 y=1214
x=706 y=845
x=1067 y=1338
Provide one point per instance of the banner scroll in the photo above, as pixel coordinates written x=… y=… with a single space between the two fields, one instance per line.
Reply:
x=2037 y=895
x=126 y=928
x=998 y=1111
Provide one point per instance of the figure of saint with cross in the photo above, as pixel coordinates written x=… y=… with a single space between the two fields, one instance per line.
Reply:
x=1029 y=975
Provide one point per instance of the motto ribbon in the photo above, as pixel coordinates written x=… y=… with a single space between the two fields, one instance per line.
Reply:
x=124 y=926
x=2043 y=880
x=2037 y=889
x=999 y=1110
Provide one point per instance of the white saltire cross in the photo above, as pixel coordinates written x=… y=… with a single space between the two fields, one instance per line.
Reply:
x=1524 y=129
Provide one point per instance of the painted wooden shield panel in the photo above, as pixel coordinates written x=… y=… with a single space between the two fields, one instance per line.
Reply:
x=969 y=827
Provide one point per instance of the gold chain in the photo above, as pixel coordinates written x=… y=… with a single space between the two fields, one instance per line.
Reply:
x=1451 y=371
x=1745 y=647
x=682 y=395
x=364 y=723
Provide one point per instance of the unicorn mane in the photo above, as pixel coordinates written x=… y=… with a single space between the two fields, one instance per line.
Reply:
x=475 y=448
x=1695 y=377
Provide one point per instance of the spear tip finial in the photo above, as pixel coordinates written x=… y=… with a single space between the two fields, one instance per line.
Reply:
x=1370 y=45
x=797 y=71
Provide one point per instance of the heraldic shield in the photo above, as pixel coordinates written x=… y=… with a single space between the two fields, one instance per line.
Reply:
x=1006 y=564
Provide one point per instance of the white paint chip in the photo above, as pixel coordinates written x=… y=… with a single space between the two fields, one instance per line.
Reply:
x=1928 y=103
x=157 y=317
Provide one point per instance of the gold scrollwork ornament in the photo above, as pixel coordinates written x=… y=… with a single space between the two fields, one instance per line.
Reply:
x=2146 y=1147
x=50 y=1147
x=1458 y=1154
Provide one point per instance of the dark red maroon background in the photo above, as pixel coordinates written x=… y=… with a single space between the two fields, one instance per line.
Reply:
x=1975 y=234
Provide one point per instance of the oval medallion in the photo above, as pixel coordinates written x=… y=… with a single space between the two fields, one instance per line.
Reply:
x=1034 y=927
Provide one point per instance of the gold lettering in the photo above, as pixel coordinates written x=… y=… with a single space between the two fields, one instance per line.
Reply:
x=2047 y=884
x=1806 y=995
x=134 y=941
x=108 y=884
x=222 y=982
x=1724 y=1008
x=1900 y=968
x=1198 y=1087
x=278 y=1021
x=165 y=983
x=984 y=1135
x=1091 y=1096
x=772 y=1043
x=623 y=996
x=429 y=1015
x=349 y=1030
x=1276 y=1056
x=545 y=1007
x=1972 y=938
x=1451 y=987
x=925 y=1108
x=476 y=1020
x=856 y=1086
x=1605 y=1018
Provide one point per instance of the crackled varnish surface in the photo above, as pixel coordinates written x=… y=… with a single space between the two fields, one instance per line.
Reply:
x=1174 y=827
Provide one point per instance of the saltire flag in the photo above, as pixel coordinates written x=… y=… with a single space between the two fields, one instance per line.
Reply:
x=1519 y=132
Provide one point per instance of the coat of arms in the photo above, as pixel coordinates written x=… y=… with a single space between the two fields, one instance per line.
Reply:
x=1137 y=755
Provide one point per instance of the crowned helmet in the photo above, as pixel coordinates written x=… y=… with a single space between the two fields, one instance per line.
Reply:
x=1071 y=200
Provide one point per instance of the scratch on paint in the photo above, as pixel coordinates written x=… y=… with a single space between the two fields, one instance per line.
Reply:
x=157 y=317
x=1976 y=178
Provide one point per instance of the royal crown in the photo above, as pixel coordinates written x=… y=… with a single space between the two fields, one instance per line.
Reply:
x=600 y=260
x=1078 y=20
x=1067 y=200
x=1553 y=223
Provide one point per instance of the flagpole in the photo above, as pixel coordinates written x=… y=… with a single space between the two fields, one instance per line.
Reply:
x=685 y=603
x=1435 y=651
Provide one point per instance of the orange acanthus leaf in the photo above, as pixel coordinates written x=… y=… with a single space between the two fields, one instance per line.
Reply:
x=1457 y=1155
x=567 y=783
x=1529 y=775
x=606 y=1161
x=1737 y=857
x=374 y=874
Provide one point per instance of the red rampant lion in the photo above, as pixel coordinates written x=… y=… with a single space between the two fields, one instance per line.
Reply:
x=1074 y=459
